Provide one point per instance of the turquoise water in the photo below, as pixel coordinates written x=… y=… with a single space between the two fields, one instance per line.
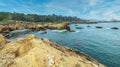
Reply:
x=101 y=44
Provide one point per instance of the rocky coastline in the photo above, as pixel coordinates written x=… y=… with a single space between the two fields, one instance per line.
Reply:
x=6 y=28
x=41 y=52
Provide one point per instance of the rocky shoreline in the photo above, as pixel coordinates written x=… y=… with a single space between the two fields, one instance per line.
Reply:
x=41 y=52
x=6 y=28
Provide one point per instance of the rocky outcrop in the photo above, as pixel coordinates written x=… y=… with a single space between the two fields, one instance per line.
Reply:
x=6 y=28
x=99 y=27
x=41 y=52
x=115 y=28
x=79 y=27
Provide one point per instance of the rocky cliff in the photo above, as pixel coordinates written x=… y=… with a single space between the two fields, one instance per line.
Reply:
x=41 y=52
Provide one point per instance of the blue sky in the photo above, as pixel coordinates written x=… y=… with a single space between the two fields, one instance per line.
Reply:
x=86 y=9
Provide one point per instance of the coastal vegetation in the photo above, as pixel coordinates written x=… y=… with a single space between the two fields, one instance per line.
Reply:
x=9 y=17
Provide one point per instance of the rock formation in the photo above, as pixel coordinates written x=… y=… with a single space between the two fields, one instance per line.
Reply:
x=6 y=28
x=41 y=52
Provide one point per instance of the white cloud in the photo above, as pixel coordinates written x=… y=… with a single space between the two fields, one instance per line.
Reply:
x=106 y=11
x=104 y=14
x=111 y=15
x=93 y=9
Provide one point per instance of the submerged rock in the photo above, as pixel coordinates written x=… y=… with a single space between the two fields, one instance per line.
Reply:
x=88 y=26
x=115 y=28
x=99 y=27
x=41 y=52
x=79 y=28
x=77 y=25
x=72 y=31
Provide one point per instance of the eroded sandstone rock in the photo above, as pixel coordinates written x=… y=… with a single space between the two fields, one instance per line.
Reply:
x=41 y=52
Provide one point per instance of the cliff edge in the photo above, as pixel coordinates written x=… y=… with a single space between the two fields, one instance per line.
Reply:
x=41 y=52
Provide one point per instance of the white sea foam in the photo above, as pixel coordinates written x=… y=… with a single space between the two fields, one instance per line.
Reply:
x=58 y=30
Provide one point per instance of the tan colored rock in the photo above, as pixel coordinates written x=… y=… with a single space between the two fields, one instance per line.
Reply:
x=41 y=52
x=3 y=41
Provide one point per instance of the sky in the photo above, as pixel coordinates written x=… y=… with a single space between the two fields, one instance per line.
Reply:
x=85 y=9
